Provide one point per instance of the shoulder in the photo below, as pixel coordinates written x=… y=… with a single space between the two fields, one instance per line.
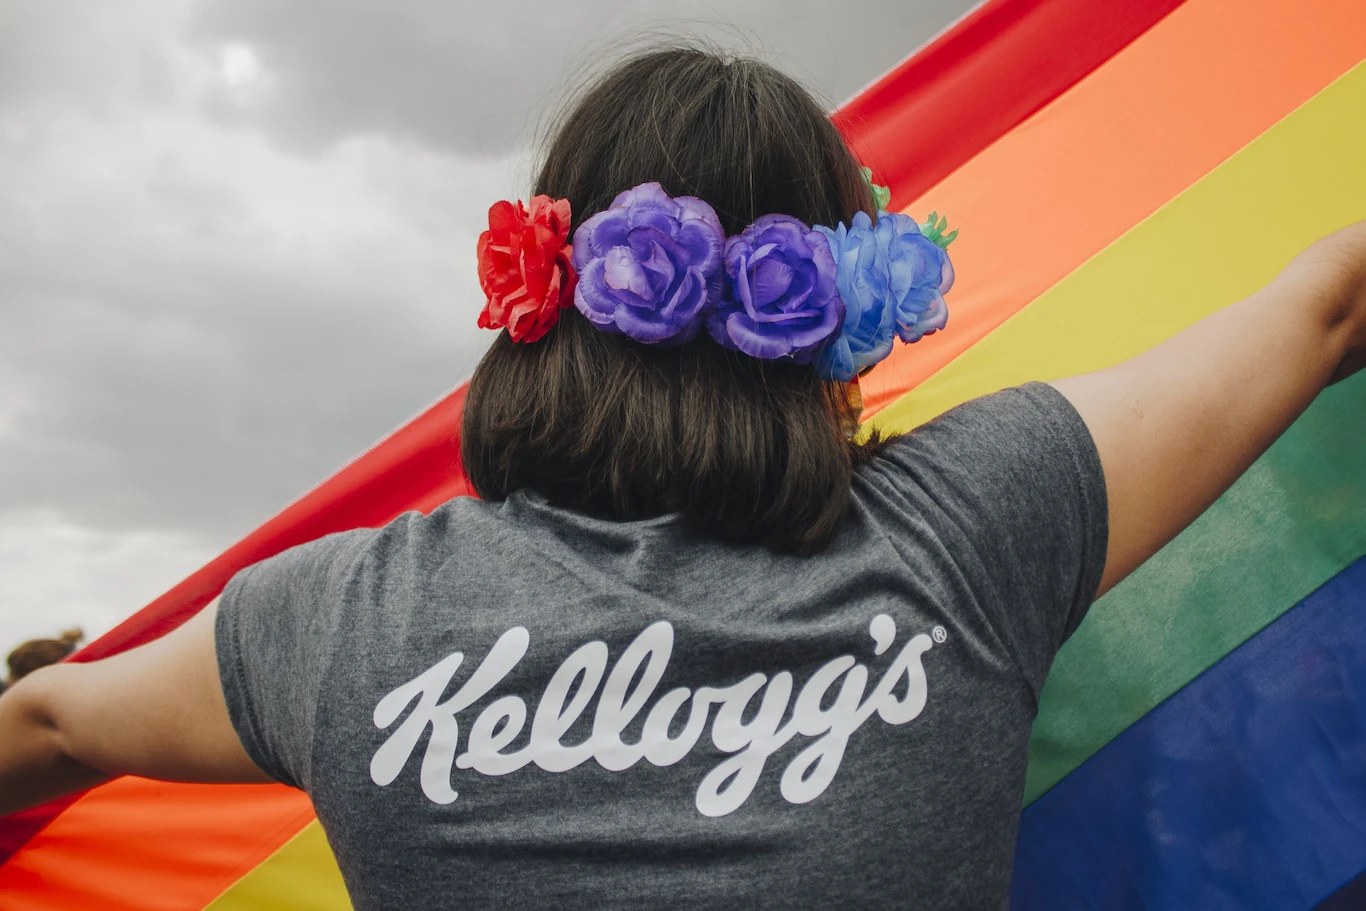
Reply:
x=997 y=438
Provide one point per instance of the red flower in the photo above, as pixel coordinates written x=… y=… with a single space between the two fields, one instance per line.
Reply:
x=524 y=267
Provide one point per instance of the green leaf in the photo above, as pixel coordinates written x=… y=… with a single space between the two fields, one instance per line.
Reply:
x=882 y=196
x=934 y=230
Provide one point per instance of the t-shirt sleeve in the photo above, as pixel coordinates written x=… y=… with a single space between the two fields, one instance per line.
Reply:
x=1016 y=484
x=277 y=622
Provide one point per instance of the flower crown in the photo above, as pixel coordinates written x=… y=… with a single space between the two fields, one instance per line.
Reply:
x=660 y=270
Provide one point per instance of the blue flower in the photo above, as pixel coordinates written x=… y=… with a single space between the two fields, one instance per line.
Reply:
x=860 y=278
x=892 y=280
x=919 y=275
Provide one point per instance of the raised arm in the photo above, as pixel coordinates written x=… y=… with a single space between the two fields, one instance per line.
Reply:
x=1178 y=424
x=156 y=711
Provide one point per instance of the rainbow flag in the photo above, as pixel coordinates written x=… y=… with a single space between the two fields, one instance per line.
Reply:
x=1119 y=171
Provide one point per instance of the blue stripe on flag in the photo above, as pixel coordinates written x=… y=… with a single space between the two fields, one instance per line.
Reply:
x=1245 y=790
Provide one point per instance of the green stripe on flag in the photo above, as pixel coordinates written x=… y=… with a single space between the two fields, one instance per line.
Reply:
x=1295 y=520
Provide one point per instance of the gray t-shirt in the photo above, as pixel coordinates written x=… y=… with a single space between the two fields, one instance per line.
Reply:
x=514 y=706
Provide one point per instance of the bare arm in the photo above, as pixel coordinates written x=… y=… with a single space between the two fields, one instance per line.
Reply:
x=1177 y=425
x=156 y=711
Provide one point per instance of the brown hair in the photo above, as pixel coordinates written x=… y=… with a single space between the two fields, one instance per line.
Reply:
x=747 y=450
x=36 y=653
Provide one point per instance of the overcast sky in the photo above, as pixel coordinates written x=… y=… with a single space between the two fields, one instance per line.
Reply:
x=237 y=245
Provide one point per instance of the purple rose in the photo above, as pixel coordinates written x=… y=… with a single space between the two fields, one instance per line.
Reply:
x=649 y=266
x=780 y=296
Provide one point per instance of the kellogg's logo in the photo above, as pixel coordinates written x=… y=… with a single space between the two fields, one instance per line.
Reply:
x=723 y=790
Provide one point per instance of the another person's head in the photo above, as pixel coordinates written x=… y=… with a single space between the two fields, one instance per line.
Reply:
x=747 y=450
x=36 y=653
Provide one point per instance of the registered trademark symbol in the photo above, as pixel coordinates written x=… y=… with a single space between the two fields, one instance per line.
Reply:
x=940 y=634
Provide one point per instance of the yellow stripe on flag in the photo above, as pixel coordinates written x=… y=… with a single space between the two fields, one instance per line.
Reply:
x=301 y=876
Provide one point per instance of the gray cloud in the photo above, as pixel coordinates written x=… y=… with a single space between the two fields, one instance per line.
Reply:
x=474 y=77
x=191 y=350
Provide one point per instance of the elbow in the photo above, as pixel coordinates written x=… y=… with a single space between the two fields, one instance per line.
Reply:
x=38 y=717
x=35 y=762
x=28 y=710
x=1345 y=331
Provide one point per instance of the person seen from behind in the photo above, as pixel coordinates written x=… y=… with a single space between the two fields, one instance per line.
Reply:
x=698 y=644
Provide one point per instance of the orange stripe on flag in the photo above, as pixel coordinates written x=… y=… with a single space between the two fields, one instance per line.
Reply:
x=1137 y=131
x=152 y=846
